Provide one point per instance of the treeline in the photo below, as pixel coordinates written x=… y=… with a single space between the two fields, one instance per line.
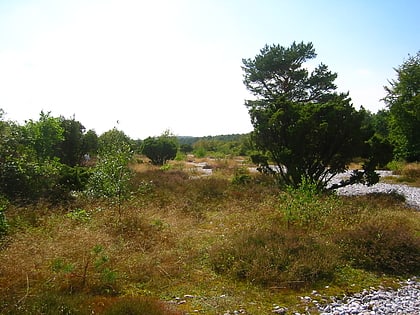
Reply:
x=53 y=156
x=306 y=127
x=218 y=146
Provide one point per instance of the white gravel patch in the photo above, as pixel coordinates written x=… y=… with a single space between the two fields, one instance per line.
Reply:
x=411 y=194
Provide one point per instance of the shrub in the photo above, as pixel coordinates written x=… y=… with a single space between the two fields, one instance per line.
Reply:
x=384 y=243
x=305 y=206
x=241 y=176
x=111 y=176
x=161 y=149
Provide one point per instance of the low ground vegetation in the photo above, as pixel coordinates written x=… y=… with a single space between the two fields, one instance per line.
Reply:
x=184 y=243
x=408 y=173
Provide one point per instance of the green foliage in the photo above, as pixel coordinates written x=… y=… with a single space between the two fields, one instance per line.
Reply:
x=222 y=145
x=380 y=151
x=241 y=176
x=305 y=207
x=186 y=148
x=45 y=136
x=380 y=122
x=90 y=142
x=111 y=140
x=200 y=152
x=80 y=215
x=300 y=124
x=277 y=71
x=395 y=166
x=160 y=149
x=30 y=166
x=403 y=100
x=74 y=178
x=70 y=148
x=111 y=176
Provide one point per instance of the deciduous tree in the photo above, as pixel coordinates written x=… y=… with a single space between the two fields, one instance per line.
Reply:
x=403 y=100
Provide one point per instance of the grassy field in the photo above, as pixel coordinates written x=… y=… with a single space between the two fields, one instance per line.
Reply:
x=186 y=243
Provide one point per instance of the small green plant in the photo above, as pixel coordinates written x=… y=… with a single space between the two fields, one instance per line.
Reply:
x=93 y=271
x=111 y=176
x=80 y=215
x=305 y=206
x=241 y=176
x=166 y=167
x=200 y=152
x=145 y=187
x=395 y=166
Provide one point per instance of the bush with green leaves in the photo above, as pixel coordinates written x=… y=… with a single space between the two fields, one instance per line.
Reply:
x=112 y=175
x=306 y=207
x=160 y=149
x=30 y=165
x=403 y=100
x=241 y=176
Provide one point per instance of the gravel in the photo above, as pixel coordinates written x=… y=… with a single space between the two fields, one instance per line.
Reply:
x=411 y=194
x=404 y=300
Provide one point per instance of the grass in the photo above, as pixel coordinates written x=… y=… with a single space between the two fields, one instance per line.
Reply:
x=230 y=241
x=408 y=173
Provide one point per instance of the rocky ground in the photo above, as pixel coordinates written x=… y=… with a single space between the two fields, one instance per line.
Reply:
x=411 y=194
x=405 y=300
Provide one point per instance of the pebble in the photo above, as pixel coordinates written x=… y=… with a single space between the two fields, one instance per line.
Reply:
x=404 y=300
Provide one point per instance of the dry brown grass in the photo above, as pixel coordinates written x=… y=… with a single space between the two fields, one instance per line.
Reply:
x=220 y=242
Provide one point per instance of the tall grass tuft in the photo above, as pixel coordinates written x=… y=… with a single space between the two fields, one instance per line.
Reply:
x=276 y=256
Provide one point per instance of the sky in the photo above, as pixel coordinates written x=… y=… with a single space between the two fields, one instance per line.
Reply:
x=145 y=67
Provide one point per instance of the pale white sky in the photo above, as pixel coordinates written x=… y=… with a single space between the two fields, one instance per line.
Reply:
x=176 y=64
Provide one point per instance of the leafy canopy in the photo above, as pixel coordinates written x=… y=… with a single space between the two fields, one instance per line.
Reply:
x=160 y=149
x=111 y=174
x=301 y=125
x=403 y=100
